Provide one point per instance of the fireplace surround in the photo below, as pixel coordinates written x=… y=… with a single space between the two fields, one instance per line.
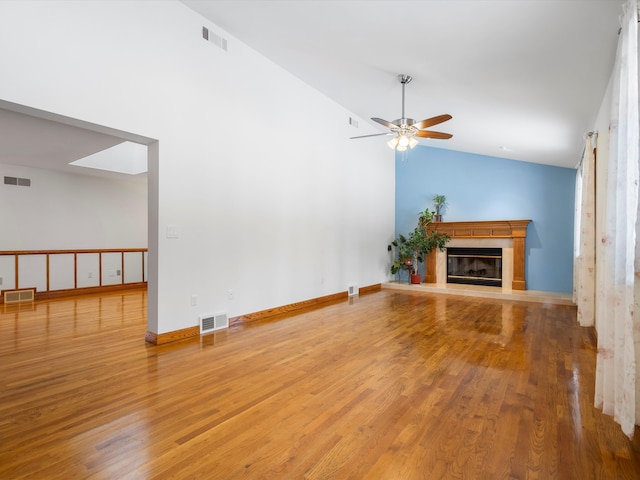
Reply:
x=510 y=235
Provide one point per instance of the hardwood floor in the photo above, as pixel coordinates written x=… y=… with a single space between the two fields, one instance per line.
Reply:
x=391 y=385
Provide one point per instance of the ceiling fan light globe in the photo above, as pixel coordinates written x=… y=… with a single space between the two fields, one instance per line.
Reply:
x=393 y=143
x=413 y=142
x=401 y=148
x=403 y=141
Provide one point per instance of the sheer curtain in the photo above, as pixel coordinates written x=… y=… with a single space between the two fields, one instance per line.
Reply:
x=584 y=281
x=617 y=370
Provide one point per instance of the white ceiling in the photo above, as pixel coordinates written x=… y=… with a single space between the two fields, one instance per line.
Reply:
x=37 y=139
x=525 y=75
x=40 y=143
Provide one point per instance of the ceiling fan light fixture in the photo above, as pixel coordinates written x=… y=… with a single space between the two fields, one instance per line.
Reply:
x=402 y=142
x=405 y=129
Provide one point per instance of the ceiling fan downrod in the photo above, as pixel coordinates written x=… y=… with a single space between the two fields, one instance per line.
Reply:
x=404 y=79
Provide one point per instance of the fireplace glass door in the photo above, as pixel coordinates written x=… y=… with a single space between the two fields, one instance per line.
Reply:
x=475 y=266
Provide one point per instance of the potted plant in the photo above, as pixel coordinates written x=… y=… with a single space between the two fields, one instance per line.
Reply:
x=425 y=218
x=420 y=247
x=440 y=203
x=423 y=244
x=411 y=251
x=403 y=254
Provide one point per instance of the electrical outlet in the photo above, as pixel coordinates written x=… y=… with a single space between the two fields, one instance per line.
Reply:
x=90 y=275
x=194 y=300
x=117 y=273
x=172 y=231
x=230 y=294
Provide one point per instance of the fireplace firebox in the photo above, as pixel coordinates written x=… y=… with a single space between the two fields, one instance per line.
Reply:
x=475 y=266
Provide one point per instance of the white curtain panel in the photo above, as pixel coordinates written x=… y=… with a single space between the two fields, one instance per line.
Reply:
x=584 y=266
x=577 y=218
x=618 y=327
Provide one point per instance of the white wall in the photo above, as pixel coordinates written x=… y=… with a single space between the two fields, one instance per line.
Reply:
x=64 y=211
x=254 y=169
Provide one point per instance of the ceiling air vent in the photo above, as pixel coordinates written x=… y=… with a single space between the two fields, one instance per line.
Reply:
x=217 y=40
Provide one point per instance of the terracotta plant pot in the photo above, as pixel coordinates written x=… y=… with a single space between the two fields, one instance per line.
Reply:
x=437 y=217
x=415 y=278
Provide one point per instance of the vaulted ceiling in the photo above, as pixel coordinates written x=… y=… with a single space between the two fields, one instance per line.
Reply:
x=523 y=79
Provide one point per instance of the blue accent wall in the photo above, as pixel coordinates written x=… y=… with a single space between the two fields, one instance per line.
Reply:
x=479 y=187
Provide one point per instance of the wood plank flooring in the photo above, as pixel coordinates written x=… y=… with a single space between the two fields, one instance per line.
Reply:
x=390 y=385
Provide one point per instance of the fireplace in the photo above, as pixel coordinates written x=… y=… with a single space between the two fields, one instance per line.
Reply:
x=475 y=266
x=509 y=235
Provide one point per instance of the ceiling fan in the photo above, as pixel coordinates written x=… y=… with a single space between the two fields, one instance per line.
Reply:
x=406 y=129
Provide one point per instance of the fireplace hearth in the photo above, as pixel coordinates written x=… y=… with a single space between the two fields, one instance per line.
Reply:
x=475 y=266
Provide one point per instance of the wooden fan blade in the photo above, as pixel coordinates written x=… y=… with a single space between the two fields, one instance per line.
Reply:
x=430 y=122
x=372 y=135
x=384 y=122
x=429 y=134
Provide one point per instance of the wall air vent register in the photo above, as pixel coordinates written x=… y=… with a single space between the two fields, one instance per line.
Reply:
x=20 y=182
x=213 y=322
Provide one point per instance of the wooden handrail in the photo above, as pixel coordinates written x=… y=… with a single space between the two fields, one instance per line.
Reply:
x=86 y=250
x=48 y=274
